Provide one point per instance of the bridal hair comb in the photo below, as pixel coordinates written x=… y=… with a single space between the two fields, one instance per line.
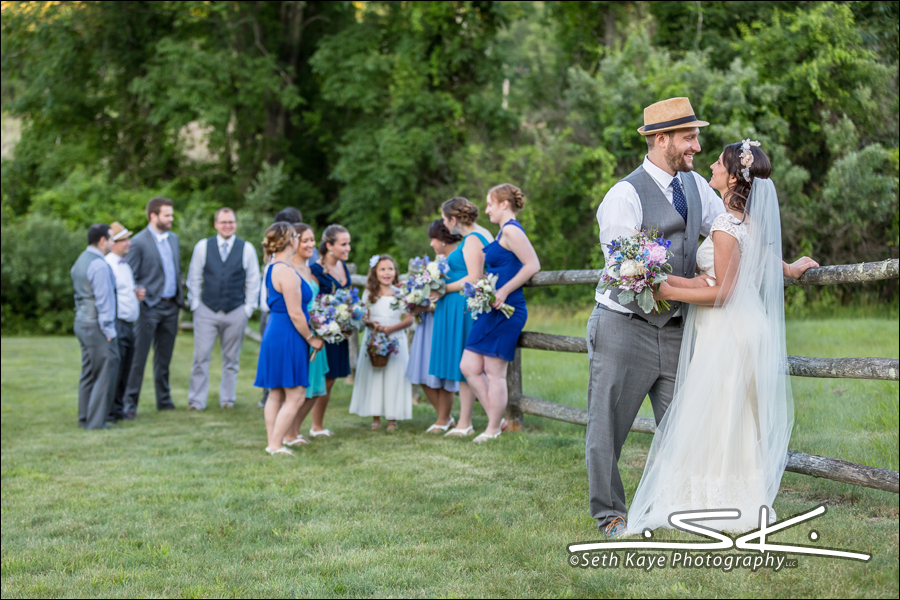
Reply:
x=747 y=157
x=375 y=258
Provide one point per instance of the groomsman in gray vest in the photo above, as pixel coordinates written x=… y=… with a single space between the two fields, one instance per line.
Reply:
x=95 y=328
x=633 y=354
x=155 y=260
x=223 y=289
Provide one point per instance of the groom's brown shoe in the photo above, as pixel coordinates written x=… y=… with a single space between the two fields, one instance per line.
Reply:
x=614 y=529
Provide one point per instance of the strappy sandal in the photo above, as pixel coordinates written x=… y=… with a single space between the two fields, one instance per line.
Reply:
x=460 y=432
x=298 y=440
x=375 y=426
x=503 y=425
x=443 y=428
x=281 y=450
x=485 y=437
x=325 y=432
x=392 y=426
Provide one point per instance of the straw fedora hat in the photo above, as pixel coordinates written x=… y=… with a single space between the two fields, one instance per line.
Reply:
x=119 y=232
x=674 y=113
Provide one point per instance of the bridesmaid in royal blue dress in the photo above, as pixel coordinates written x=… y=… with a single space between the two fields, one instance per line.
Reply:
x=283 y=365
x=452 y=322
x=492 y=342
x=332 y=272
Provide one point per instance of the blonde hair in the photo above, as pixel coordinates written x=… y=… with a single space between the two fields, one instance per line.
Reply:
x=509 y=193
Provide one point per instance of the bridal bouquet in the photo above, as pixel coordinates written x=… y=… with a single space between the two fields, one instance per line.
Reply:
x=637 y=263
x=425 y=276
x=380 y=346
x=480 y=296
x=333 y=317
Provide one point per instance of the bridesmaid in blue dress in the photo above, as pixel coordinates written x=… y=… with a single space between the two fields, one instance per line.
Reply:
x=318 y=367
x=492 y=342
x=452 y=322
x=283 y=365
x=332 y=272
x=438 y=391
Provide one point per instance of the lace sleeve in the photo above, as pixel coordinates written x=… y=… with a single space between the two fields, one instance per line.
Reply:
x=725 y=223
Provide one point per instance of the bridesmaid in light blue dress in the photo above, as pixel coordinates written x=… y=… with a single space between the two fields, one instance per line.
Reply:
x=438 y=391
x=318 y=367
x=452 y=322
x=492 y=342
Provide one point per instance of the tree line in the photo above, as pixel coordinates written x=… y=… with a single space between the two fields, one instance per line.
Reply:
x=373 y=113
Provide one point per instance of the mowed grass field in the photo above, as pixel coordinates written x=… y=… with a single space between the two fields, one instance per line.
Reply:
x=189 y=505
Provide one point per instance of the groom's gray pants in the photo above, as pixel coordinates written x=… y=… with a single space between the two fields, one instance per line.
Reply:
x=629 y=359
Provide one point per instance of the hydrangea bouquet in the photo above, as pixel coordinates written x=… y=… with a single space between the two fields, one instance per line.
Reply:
x=333 y=317
x=482 y=295
x=379 y=347
x=636 y=264
x=425 y=276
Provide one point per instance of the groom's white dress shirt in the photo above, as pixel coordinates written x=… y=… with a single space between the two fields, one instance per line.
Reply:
x=620 y=213
x=249 y=262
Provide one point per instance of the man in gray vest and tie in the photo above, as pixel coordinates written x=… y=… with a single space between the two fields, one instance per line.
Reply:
x=95 y=328
x=633 y=354
x=223 y=289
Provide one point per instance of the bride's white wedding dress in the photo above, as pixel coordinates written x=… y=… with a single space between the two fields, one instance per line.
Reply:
x=723 y=441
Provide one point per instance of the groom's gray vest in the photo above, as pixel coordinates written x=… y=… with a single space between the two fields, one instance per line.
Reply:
x=659 y=213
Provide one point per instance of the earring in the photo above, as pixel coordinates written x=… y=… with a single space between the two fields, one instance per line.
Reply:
x=443 y=244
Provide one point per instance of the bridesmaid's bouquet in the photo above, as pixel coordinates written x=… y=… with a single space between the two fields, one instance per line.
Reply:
x=380 y=346
x=482 y=295
x=333 y=317
x=636 y=264
x=425 y=276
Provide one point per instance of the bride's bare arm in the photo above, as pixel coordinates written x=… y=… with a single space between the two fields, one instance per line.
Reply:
x=727 y=258
x=798 y=268
x=689 y=282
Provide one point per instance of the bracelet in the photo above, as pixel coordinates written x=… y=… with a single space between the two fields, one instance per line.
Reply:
x=311 y=336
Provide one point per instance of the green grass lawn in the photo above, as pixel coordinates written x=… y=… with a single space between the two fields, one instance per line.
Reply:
x=188 y=504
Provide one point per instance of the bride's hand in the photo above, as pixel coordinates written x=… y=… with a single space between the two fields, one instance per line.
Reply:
x=702 y=281
x=798 y=268
x=663 y=292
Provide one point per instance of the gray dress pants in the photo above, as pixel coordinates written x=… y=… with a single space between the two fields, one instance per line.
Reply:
x=99 y=374
x=229 y=329
x=157 y=326
x=629 y=360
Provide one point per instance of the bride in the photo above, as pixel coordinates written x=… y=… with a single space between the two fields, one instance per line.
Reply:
x=723 y=442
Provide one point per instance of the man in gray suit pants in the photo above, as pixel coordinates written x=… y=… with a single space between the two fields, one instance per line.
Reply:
x=633 y=354
x=95 y=327
x=155 y=258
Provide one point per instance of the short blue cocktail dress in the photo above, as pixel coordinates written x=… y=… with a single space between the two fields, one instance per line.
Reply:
x=283 y=353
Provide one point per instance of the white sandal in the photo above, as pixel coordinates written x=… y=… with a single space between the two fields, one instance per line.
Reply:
x=325 y=432
x=444 y=428
x=281 y=450
x=299 y=440
x=485 y=437
x=460 y=432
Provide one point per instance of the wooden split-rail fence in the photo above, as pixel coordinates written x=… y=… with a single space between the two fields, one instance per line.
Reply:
x=801 y=366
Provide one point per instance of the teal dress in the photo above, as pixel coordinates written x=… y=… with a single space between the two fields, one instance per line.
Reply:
x=452 y=322
x=319 y=367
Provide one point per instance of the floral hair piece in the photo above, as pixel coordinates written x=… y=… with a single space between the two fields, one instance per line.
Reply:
x=374 y=260
x=747 y=157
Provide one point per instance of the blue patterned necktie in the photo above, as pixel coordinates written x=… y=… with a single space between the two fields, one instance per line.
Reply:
x=678 y=199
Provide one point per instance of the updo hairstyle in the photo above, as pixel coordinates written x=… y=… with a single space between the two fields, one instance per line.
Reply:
x=509 y=193
x=372 y=284
x=438 y=231
x=737 y=195
x=461 y=209
x=301 y=228
x=277 y=238
x=330 y=236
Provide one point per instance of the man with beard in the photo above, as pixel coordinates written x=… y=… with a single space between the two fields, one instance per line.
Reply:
x=155 y=260
x=633 y=354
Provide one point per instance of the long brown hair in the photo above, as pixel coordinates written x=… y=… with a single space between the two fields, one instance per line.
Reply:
x=736 y=197
x=372 y=284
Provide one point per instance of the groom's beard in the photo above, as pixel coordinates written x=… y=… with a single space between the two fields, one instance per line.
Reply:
x=675 y=161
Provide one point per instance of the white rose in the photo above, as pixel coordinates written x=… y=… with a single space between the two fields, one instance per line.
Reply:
x=333 y=327
x=343 y=311
x=632 y=268
x=613 y=272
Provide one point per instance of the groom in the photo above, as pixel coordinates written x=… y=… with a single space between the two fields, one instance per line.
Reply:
x=633 y=354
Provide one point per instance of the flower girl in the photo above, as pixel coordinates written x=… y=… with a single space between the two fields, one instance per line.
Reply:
x=383 y=391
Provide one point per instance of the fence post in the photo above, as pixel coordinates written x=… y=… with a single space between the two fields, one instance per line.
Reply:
x=514 y=389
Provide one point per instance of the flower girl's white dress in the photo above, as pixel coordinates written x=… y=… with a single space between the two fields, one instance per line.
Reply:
x=383 y=392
